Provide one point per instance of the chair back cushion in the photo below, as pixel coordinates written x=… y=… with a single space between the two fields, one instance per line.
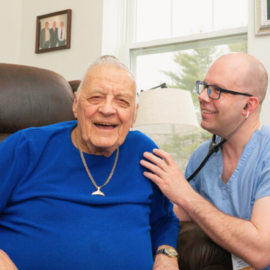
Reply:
x=32 y=97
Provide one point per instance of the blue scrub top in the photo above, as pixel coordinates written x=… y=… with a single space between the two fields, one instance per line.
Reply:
x=249 y=182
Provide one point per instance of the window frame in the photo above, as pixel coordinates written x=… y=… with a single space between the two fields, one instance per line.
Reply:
x=167 y=45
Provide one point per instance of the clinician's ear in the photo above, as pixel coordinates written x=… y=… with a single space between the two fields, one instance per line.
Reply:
x=251 y=105
x=75 y=104
x=135 y=115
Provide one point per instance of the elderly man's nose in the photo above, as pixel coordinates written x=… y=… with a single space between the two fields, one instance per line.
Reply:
x=107 y=108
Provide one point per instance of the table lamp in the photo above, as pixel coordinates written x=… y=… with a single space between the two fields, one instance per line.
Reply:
x=166 y=110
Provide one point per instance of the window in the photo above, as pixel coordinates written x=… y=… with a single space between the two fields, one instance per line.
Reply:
x=176 y=42
x=160 y=19
x=157 y=64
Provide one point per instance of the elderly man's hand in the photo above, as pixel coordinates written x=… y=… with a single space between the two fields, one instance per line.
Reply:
x=5 y=262
x=165 y=262
x=166 y=174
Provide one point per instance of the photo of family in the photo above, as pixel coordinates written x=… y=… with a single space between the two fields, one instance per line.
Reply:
x=53 y=31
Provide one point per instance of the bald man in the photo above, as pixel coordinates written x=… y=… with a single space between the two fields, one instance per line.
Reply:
x=230 y=197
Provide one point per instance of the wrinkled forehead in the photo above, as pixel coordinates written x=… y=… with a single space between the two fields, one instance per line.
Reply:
x=109 y=78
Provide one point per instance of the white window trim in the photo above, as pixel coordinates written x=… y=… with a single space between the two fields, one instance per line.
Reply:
x=177 y=40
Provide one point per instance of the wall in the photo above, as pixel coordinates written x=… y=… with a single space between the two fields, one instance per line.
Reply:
x=114 y=28
x=92 y=34
x=111 y=31
x=86 y=36
x=10 y=29
x=258 y=46
x=18 y=30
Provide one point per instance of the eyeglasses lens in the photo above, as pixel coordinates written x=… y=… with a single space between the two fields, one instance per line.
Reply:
x=209 y=91
x=200 y=87
x=213 y=92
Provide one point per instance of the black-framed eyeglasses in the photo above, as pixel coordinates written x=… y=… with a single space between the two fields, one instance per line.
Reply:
x=214 y=92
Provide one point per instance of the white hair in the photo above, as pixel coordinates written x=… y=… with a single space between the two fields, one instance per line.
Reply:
x=107 y=61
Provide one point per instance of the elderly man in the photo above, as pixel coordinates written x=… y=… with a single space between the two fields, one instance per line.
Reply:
x=230 y=197
x=73 y=194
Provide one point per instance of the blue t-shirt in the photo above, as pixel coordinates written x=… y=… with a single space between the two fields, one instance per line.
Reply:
x=50 y=220
x=249 y=182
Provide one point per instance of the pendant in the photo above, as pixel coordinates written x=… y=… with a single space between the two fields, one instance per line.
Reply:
x=98 y=192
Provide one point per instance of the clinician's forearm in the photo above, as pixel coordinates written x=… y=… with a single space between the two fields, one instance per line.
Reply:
x=181 y=213
x=236 y=235
x=248 y=240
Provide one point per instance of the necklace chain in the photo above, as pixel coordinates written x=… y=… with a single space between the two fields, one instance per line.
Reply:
x=87 y=170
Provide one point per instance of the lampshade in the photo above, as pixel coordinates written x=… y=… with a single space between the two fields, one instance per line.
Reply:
x=166 y=110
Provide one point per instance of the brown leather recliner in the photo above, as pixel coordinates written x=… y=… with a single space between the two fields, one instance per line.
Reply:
x=32 y=97
x=74 y=85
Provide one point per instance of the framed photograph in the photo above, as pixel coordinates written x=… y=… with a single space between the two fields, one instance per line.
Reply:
x=53 y=31
x=262 y=17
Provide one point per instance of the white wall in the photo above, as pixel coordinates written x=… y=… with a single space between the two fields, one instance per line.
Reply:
x=86 y=36
x=10 y=31
x=258 y=46
x=114 y=28
x=111 y=31
x=18 y=30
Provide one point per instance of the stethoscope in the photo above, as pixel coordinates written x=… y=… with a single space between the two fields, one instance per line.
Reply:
x=213 y=147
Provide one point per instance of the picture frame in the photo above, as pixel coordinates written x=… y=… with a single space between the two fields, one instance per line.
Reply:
x=262 y=17
x=53 y=31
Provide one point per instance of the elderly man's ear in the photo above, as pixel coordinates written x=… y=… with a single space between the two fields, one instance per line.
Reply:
x=135 y=115
x=75 y=104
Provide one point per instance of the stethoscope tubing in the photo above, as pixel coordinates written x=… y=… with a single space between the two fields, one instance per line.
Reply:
x=213 y=147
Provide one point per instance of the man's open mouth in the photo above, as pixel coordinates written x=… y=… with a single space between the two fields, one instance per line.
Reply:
x=205 y=111
x=105 y=125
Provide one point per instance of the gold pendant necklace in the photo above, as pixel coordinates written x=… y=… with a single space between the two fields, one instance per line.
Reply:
x=98 y=192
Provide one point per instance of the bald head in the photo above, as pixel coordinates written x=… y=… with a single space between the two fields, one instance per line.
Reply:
x=245 y=72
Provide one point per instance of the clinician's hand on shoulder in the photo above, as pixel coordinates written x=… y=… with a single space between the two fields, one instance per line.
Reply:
x=5 y=262
x=166 y=174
